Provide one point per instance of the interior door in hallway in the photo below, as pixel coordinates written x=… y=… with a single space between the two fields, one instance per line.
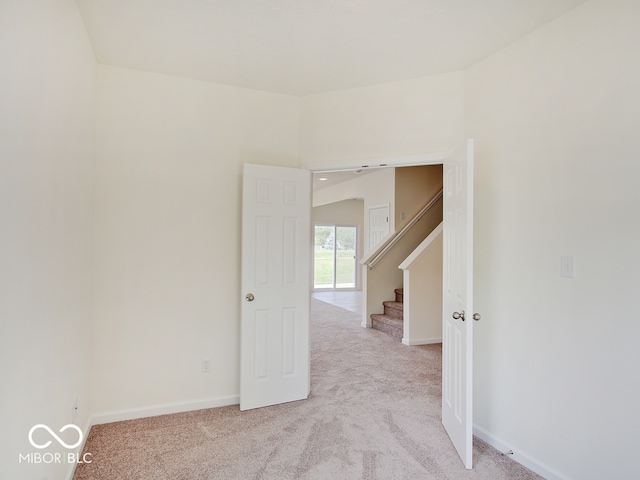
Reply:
x=378 y=224
x=276 y=276
x=457 y=307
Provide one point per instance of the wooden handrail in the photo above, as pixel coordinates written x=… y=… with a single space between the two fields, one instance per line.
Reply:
x=383 y=249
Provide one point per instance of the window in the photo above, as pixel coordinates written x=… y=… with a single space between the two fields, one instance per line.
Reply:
x=334 y=258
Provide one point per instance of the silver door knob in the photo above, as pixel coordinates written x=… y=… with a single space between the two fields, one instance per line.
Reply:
x=458 y=315
x=476 y=316
x=249 y=297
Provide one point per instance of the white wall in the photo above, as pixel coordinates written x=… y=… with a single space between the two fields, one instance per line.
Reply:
x=169 y=156
x=46 y=228
x=345 y=212
x=554 y=117
x=555 y=122
x=417 y=116
x=168 y=196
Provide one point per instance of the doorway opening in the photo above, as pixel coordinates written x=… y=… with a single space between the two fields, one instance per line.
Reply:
x=335 y=257
x=458 y=176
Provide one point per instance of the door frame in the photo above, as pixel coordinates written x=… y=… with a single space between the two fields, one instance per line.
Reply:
x=391 y=162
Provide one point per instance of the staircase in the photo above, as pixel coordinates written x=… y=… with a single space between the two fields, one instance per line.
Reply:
x=391 y=321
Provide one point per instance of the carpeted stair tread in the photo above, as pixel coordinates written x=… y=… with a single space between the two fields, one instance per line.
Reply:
x=394 y=309
x=390 y=325
x=399 y=294
x=387 y=319
x=391 y=321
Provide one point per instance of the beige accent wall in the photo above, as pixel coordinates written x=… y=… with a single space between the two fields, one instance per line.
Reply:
x=414 y=188
x=422 y=283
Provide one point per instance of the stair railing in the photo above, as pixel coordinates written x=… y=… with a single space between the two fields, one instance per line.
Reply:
x=375 y=257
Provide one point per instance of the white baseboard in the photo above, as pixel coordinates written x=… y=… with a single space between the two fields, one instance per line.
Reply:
x=165 y=409
x=421 y=341
x=522 y=458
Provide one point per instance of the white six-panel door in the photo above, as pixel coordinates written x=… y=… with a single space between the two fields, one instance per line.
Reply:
x=457 y=307
x=276 y=246
x=378 y=225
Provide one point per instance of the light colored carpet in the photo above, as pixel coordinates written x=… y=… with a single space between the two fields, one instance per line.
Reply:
x=373 y=414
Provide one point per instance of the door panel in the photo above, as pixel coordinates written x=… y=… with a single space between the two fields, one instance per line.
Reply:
x=274 y=336
x=378 y=225
x=457 y=333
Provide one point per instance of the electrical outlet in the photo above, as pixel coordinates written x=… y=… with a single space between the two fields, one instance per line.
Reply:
x=206 y=365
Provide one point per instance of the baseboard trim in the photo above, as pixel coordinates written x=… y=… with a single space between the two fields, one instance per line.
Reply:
x=422 y=341
x=164 y=409
x=522 y=458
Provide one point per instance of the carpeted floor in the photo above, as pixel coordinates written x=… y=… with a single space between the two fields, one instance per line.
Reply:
x=373 y=414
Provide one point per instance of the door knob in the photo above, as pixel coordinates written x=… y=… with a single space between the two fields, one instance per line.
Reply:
x=249 y=297
x=458 y=315
x=476 y=316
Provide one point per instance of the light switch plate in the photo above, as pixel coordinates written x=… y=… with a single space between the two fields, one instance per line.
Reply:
x=568 y=266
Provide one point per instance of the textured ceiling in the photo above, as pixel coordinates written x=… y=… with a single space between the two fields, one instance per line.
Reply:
x=302 y=47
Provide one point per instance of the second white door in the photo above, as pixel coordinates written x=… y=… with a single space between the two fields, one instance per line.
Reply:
x=274 y=333
x=457 y=305
x=378 y=225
